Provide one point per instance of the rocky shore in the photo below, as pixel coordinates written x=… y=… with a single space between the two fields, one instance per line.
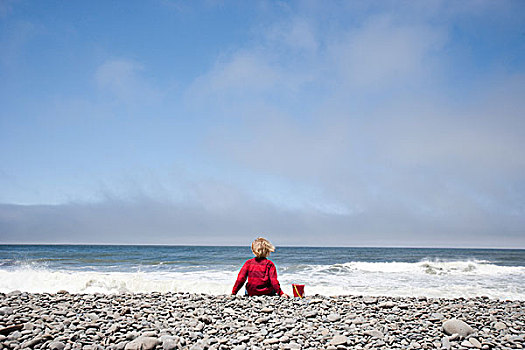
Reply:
x=196 y=321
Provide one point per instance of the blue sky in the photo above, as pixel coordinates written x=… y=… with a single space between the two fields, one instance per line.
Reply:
x=387 y=123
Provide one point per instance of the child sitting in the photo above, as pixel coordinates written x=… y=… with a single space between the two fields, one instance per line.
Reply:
x=261 y=272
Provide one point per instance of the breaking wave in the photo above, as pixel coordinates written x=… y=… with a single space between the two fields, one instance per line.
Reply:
x=434 y=267
x=430 y=278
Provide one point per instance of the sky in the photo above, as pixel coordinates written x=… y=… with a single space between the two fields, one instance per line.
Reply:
x=312 y=123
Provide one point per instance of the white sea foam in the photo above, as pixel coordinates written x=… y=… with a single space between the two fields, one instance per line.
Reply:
x=425 y=278
x=48 y=281
x=470 y=267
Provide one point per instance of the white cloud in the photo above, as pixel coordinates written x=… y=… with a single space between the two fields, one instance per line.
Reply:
x=481 y=134
x=235 y=79
x=382 y=53
x=123 y=80
x=245 y=71
x=296 y=33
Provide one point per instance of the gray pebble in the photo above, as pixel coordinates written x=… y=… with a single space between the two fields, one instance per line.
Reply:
x=445 y=343
x=374 y=333
x=6 y=310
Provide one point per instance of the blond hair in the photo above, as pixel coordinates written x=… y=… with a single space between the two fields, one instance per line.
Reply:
x=261 y=247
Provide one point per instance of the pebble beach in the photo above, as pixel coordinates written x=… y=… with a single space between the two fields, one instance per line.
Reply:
x=62 y=321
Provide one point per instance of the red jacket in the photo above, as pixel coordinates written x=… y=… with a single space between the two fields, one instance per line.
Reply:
x=262 y=278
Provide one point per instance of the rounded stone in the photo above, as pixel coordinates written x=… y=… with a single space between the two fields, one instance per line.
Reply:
x=338 y=340
x=56 y=345
x=334 y=317
x=475 y=342
x=169 y=344
x=500 y=325
x=467 y=344
x=142 y=343
x=454 y=325
x=387 y=305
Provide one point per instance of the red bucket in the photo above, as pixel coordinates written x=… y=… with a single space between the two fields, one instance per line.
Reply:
x=298 y=290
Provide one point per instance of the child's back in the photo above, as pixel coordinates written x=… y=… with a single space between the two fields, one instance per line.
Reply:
x=260 y=272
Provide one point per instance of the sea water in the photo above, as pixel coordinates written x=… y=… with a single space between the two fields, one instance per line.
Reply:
x=441 y=273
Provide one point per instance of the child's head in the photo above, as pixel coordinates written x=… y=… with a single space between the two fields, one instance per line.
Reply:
x=261 y=248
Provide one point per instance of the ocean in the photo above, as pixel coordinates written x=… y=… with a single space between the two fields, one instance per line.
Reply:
x=429 y=272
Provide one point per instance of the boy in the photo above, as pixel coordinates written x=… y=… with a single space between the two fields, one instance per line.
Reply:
x=261 y=272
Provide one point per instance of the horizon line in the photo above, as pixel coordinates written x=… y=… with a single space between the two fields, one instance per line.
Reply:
x=234 y=245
